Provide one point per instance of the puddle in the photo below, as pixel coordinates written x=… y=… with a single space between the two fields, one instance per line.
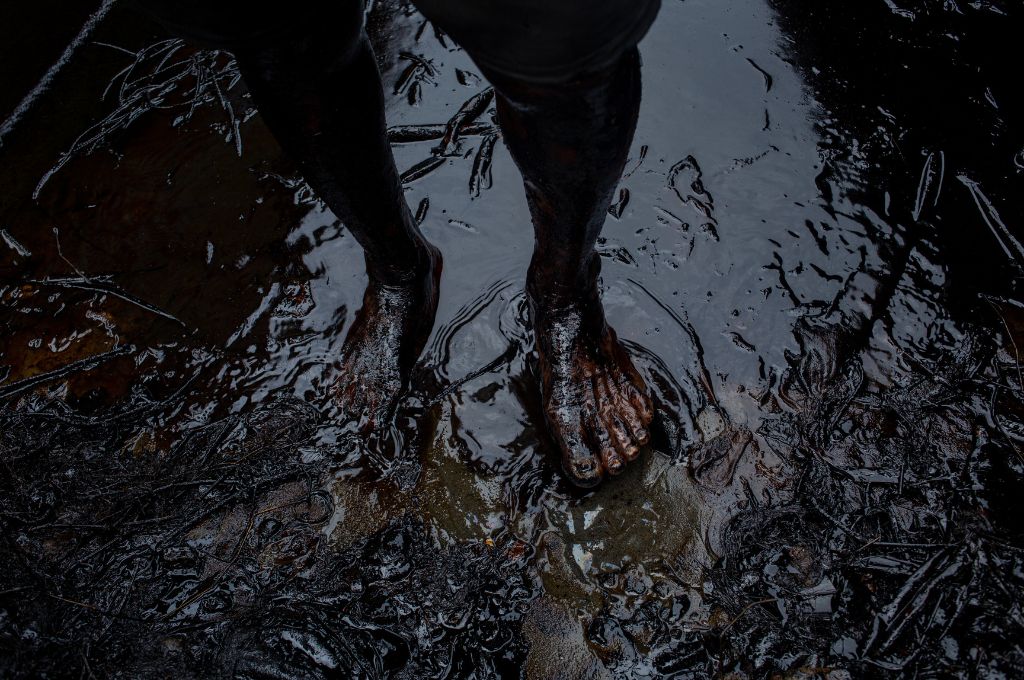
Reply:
x=813 y=257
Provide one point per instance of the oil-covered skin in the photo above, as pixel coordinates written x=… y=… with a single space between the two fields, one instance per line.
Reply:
x=323 y=100
x=595 y=403
x=570 y=142
x=381 y=348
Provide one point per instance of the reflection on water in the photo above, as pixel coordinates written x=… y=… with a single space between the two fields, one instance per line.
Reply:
x=813 y=258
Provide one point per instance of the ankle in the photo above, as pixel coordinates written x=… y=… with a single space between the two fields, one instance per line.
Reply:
x=553 y=291
x=405 y=269
x=579 y=308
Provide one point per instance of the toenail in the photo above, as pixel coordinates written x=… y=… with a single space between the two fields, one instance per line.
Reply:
x=614 y=465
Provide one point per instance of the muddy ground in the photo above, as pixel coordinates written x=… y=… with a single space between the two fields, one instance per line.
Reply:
x=815 y=259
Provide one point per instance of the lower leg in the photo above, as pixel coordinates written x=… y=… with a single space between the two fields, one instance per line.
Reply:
x=570 y=141
x=326 y=108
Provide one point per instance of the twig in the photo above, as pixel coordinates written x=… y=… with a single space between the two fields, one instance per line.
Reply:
x=80 y=365
x=44 y=83
x=744 y=611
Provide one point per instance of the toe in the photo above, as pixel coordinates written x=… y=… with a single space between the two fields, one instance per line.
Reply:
x=643 y=412
x=613 y=463
x=343 y=391
x=581 y=466
x=637 y=396
x=606 y=437
x=641 y=435
x=606 y=445
x=367 y=423
x=627 y=447
x=644 y=407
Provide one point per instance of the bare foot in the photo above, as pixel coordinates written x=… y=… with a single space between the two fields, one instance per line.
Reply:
x=595 y=403
x=385 y=341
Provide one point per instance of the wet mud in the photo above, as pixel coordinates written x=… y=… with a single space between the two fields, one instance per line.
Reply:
x=814 y=259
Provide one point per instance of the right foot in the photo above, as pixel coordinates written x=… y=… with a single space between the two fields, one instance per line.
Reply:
x=386 y=339
x=595 y=402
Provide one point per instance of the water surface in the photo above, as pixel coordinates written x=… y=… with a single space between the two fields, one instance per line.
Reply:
x=814 y=259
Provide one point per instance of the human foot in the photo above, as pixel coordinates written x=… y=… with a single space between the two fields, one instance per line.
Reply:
x=385 y=341
x=595 y=403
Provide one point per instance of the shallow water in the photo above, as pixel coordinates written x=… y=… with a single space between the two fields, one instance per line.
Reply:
x=814 y=259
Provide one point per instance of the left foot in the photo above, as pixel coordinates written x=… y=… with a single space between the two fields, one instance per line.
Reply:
x=595 y=402
x=385 y=341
